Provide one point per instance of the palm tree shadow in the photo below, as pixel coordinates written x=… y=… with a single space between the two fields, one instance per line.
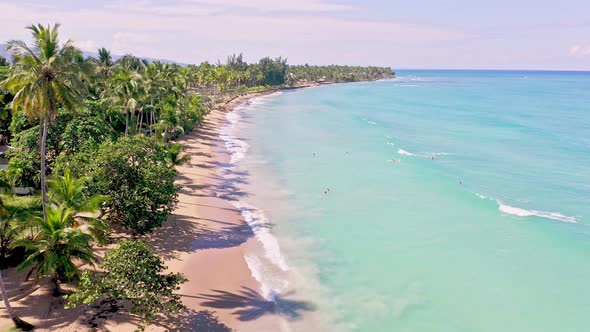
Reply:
x=250 y=305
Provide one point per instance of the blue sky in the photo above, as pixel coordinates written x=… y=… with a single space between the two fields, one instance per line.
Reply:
x=501 y=34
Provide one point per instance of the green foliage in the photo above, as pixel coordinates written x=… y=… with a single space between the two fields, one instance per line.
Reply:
x=4 y=62
x=86 y=131
x=23 y=167
x=68 y=134
x=67 y=192
x=175 y=156
x=135 y=174
x=55 y=245
x=15 y=212
x=132 y=275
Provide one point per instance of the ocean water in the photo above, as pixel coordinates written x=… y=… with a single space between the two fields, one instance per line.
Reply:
x=458 y=201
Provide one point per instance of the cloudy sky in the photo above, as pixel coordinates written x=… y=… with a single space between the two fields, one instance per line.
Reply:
x=502 y=34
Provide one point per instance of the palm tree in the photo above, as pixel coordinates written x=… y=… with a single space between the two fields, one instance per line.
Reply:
x=55 y=246
x=5 y=216
x=44 y=78
x=175 y=156
x=124 y=88
x=105 y=61
x=67 y=192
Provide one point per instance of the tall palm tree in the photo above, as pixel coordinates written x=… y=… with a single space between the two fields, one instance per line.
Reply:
x=19 y=323
x=55 y=246
x=124 y=88
x=44 y=78
x=105 y=61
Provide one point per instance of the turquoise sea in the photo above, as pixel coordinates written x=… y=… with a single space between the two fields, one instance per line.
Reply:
x=458 y=201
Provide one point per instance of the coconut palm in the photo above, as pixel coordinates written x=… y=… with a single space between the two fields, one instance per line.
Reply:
x=124 y=88
x=175 y=156
x=5 y=217
x=67 y=192
x=105 y=61
x=55 y=246
x=44 y=78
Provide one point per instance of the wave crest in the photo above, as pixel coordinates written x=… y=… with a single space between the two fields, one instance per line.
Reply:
x=520 y=212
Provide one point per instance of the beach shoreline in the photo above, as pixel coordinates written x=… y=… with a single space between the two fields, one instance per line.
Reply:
x=205 y=238
x=221 y=237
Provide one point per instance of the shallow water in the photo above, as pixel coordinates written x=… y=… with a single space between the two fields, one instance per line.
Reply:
x=458 y=201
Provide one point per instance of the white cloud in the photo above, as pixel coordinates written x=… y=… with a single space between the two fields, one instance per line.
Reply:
x=579 y=50
x=86 y=45
x=189 y=31
x=278 y=5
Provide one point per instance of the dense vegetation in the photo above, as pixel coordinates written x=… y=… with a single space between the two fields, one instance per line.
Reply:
x=95 y=137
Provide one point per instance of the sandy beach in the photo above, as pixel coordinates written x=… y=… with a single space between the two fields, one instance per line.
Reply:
x=205 y=239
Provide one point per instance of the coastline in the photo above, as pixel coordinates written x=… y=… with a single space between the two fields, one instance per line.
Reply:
x=205 y=238
x=213 y=235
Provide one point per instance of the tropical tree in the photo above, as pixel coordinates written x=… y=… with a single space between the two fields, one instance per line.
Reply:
x=54 y=247
x=68 y=193
x=133 y=275
x=104 y=61
x=44 y=78
x=123 y=91
x=175 y=156
x=5 y=217
x=4 y=62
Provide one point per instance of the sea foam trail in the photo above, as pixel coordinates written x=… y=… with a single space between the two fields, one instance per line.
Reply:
x=520 y=212
x=270 y=284
x=516 y=211
x=236 y=147
x=405 y=153
x=259 y=224
x=427 y=155
x=253 y=216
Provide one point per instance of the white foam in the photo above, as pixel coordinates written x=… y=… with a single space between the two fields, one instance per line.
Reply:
x=259 y=224
x=390 y=143
x=270 y=287
x=372 y=122
x=481 y=196
x=236 y=147
x=427 y=155
x=405 y=153
x=516 y=211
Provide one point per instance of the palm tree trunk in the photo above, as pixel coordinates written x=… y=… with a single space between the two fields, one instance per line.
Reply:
x=139 y=120
x=56 y=288
x=42 y=148
x=126 y=122
x=19 y=323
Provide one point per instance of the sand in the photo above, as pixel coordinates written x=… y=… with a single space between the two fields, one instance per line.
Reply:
x=205 y=239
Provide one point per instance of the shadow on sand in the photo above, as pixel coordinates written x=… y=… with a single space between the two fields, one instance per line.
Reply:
x=250 y=305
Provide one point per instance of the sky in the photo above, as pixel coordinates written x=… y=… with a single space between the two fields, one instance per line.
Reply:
x=402 y=34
